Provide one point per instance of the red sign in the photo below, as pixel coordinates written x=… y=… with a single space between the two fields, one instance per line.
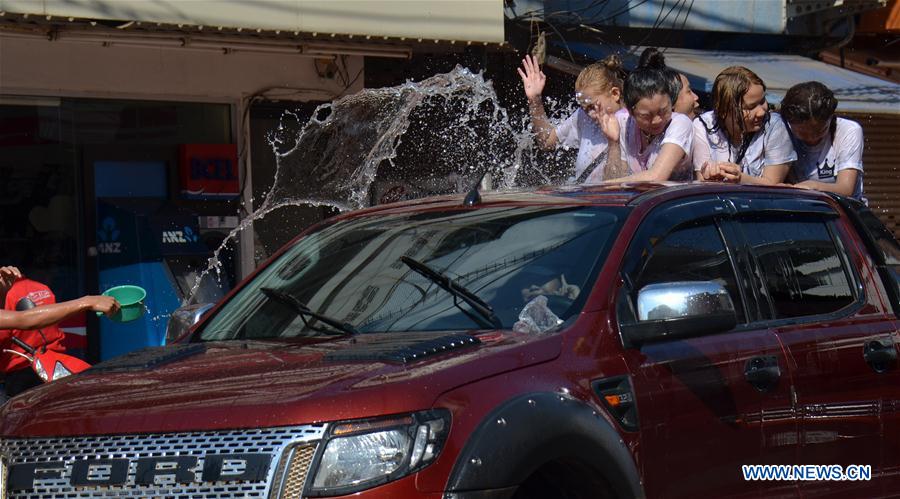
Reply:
x=209 y=171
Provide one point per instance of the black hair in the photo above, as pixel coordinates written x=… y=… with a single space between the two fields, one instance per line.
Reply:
x=809 y=101
x=646 y=82
x=652 y=58
x=651 y=77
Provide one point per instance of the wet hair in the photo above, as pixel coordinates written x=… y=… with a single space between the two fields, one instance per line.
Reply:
x=809 y=101
x=602 y=76
x=728 y=94
x=650 y=78
x=651 y=57
x=728 y=102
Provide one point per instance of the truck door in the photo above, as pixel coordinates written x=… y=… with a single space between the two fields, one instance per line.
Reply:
x=702 y=401
x=835 y=333
x=884 y=257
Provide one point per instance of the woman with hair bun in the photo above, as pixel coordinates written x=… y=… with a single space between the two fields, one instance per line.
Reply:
x=598 y=90
x=650 y=142
x=829 y=149
x=687 y=102
x=740 y=140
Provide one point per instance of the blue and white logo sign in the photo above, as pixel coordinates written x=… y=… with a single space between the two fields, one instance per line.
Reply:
x=108 y=237
x=183 y=236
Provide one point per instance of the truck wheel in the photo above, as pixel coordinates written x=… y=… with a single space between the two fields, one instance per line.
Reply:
x=564 y=480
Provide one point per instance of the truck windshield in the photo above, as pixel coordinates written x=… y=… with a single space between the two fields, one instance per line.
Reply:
x=355 y=273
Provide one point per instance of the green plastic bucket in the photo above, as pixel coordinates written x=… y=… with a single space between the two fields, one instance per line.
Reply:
x=131 y=300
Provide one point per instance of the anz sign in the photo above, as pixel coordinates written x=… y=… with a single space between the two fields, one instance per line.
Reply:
x=108 y=237
x=183 y=236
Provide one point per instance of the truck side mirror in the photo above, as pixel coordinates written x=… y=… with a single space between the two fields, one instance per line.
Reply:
x=183 y=318
x=684 y=309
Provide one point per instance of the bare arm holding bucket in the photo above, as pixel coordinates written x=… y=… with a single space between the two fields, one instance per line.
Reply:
x=47 y=315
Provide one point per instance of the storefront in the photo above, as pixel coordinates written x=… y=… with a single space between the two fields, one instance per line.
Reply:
x=168 y=106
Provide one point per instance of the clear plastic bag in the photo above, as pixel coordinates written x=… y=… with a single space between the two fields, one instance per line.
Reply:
x=536 y=317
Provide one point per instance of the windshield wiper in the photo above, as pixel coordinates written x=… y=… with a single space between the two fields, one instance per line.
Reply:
x=303 y=311
x=486 y=316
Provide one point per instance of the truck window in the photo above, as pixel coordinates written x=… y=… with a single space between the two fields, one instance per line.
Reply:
x=692 y=252
x=361 y=272
x=890 y=249
x=886 y=252
x=800 y=266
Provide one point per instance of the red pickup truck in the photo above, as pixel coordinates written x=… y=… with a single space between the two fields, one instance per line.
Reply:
x=611 y=341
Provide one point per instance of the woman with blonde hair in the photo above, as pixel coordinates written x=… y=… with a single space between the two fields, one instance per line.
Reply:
x=598 y=90
x=740 y=140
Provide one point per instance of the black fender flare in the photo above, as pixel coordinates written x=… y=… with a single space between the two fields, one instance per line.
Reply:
x=530 y=430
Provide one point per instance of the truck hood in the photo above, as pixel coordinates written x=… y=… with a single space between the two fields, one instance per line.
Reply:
x=247 y=384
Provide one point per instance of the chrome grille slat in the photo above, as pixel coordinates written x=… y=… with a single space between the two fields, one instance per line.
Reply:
x=270 y=441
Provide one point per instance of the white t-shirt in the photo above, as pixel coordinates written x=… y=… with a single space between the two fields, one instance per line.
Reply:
x=579 y=130
x=823 y=161
x=679 y=132
x=770 y=147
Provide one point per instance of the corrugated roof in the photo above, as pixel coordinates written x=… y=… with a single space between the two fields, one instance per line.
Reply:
x=856 y=93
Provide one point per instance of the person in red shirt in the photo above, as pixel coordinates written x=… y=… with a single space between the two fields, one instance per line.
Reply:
x=36 y=326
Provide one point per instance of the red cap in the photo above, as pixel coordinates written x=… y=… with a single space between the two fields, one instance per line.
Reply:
x=38 y=292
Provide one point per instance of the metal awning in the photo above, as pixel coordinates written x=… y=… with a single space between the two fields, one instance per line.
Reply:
x=856 y=93
x=450 y=20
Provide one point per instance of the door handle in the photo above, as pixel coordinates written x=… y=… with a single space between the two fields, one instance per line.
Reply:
x=763 y=372
x=881 y=355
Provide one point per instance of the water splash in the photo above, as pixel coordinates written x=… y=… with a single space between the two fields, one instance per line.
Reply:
x=337 y=158
x=439 y=135
x=214 y=264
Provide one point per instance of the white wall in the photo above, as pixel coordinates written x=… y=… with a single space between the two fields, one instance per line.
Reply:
x=465 y=20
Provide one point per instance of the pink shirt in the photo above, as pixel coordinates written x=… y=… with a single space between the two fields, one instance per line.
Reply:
x=679 y=132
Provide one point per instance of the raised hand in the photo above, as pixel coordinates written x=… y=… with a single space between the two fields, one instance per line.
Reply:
x=9 y=271
x=8 y=276
x=608 y=124
x=533 y=79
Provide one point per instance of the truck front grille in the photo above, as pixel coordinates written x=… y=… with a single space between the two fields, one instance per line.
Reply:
x=222 y=465
x=298 y=469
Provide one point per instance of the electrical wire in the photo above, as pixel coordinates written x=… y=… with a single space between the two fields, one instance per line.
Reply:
x=623 y=11
x=574 y=12
x=350 y=84
x=563 y=39
x=659 y=22
x=638 y=45
x=683 y=23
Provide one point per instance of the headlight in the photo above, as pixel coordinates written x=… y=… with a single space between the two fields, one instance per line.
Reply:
x=362 y=454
